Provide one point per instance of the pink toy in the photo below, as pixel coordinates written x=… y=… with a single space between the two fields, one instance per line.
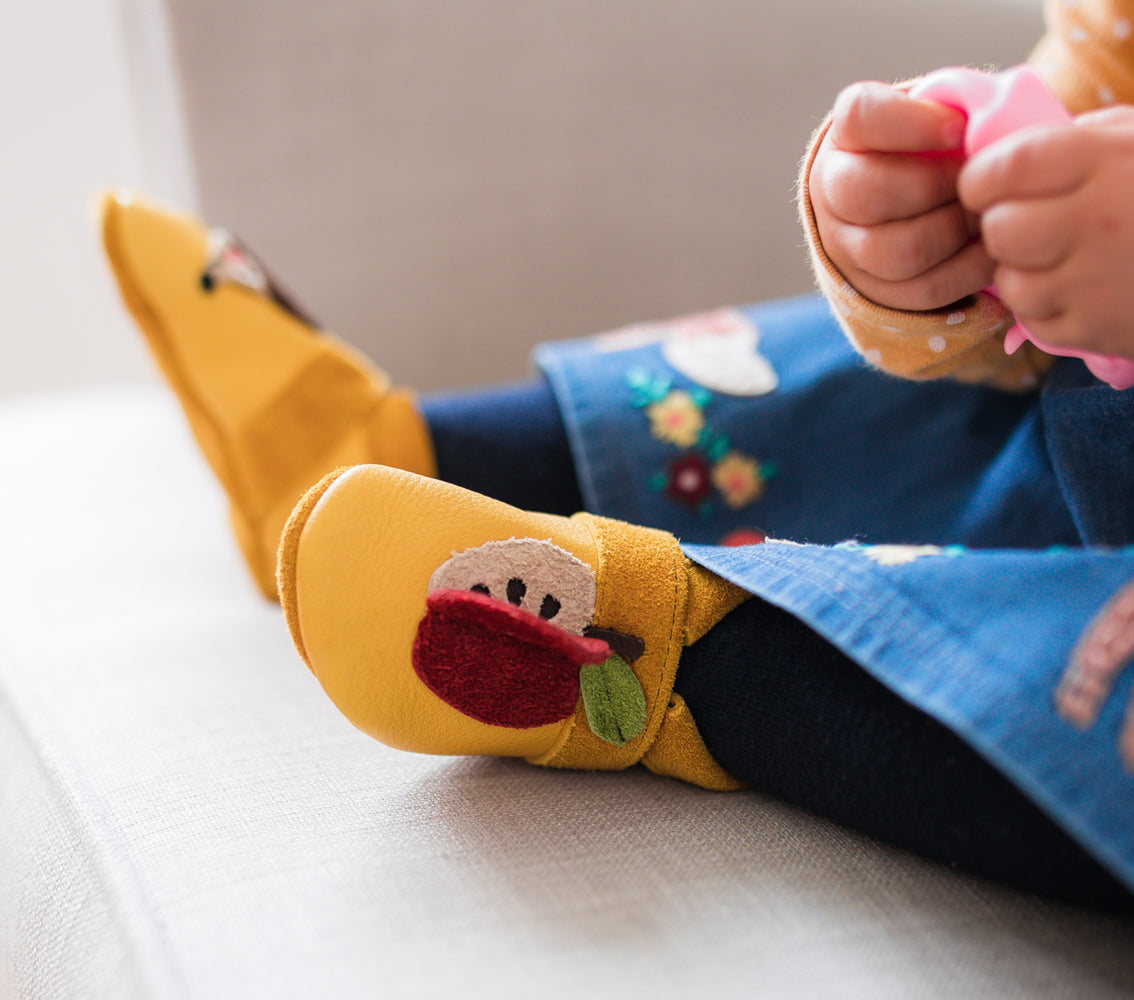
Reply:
x=996 y=104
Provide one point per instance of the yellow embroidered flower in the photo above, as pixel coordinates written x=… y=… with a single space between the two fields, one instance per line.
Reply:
x=739 y=479
x=676 y=418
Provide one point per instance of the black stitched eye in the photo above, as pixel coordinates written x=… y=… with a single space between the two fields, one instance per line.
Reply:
x=549 y=608
x=516 y=590
x=480 y=588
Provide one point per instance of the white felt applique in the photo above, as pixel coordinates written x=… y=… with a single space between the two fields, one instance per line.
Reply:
x=899 y=555
x=724 y=360
x=535 y=575
x=717 y=350
x=230 y=262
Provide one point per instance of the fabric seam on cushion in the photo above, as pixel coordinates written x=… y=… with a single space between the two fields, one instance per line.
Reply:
x=157 y=976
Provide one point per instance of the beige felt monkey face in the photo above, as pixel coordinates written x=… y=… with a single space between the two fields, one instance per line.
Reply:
x=538 y=576
x=507 y=640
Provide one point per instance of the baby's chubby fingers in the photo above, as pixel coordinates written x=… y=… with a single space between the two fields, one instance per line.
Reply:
x=883 y=188
x=873 y=117
x=868 y=189
x=1035 y=235
x=1044 y=161
x=870 y=169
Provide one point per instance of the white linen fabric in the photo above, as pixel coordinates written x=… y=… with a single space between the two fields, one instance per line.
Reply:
x=183 y=814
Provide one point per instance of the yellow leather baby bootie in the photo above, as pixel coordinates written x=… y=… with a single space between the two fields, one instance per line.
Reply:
x=440 y=621
x=274 y=402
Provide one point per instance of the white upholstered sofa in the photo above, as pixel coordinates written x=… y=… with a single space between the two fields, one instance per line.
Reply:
x=183 y=814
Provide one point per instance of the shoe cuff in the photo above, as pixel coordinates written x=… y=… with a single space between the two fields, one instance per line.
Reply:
x=642 y=590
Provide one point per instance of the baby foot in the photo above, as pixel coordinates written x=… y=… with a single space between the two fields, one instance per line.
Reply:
x=273 y=402
x=443 y=622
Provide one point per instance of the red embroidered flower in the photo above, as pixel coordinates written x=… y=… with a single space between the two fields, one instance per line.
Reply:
x=690 y=481
x=744 y=536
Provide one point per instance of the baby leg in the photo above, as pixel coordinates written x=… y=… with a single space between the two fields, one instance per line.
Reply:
x=792 y=715
x=505 y=442
x=275 y=403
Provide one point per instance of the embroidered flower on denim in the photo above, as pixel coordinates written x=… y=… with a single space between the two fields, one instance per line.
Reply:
x=1103 y=652
x=739 y=479
x=707 y=467
x=676 y=418
x=689 y=480
x=744 y=536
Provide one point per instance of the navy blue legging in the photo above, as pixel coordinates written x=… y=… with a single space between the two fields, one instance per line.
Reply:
x=791 y=714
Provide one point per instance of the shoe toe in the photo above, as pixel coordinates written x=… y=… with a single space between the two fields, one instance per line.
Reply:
x=355 y=569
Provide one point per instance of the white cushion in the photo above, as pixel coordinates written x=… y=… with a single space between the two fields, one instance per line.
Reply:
x=183 y=814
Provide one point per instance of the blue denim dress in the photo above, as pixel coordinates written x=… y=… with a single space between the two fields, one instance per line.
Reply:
x=969 y=548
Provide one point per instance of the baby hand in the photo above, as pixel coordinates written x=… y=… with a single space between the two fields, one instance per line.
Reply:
x=889 y=221
x=1056 y=205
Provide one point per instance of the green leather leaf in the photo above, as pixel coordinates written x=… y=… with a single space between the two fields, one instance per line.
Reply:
x=613 y=700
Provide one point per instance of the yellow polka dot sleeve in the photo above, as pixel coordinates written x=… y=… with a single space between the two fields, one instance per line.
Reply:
x=1087 y=57
x=964 y=342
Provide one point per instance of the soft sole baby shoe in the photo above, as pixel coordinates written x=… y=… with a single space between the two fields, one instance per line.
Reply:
x=273 y=402
x=440 y=621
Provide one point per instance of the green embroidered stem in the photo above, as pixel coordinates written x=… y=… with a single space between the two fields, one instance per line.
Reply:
x=613 y=700
x=647 y=388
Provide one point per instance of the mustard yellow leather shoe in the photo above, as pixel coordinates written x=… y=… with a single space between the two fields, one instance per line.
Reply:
x=273 y=402
x=440 y=621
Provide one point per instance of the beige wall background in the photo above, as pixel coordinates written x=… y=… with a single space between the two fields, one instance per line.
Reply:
x=447 y=182
x=69 y=126
x=443 y=182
